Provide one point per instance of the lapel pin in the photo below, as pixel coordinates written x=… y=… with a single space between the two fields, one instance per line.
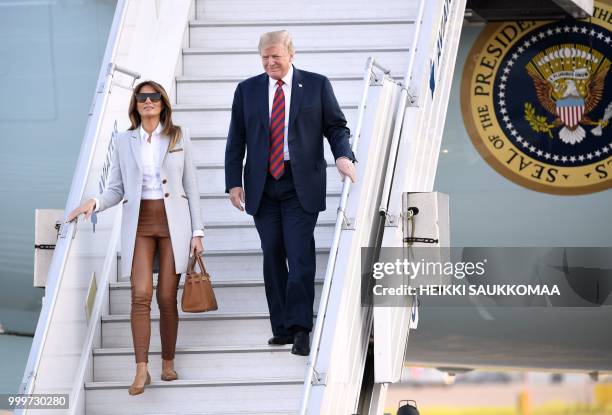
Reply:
x=300 y=85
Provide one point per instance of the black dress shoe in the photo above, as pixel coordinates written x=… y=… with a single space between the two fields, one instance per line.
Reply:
x=280 y=340
x=301 y=343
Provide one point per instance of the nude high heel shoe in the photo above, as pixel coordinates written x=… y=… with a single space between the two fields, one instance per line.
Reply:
x=137 y=390
x=168 y=372
x=169 y=375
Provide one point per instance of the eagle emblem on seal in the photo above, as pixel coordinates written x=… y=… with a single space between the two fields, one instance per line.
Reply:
x=569 y=81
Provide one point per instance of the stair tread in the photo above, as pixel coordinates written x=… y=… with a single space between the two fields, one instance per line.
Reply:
x=111 y=351
x=224 y=224
x=225 y=412
x=204 y=136
x=306 y=22
x=203 y=166
x=126 y=285
x=192 y=383
x=216 y=107
x=237 y=252
x=225 y=195
x=251 y=224
x=230 y=51
x=219 y=252
x=203 y=78
x=232 y=412
x=211 y=315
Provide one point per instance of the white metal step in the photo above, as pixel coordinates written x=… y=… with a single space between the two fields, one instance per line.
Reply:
x=241 y=264
x=204 y=363
x=364 y=33
x=244 y=63
x=242 y=10
x=214 y=119
x=211 y=178
x=195 y=330
x=213 y=150
x=247 y=296
x=225 y=238
x=219 y=208
x=221 y=396
x=216 y=238
x=220 y=90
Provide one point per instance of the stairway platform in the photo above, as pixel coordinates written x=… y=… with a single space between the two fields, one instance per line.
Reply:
x=205 y=363
x=214 y=328
x=232 y=295
x=192 y=397
x=305 y=22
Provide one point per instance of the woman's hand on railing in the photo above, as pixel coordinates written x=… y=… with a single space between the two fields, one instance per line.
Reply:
x=196 y=246
x=86 y=208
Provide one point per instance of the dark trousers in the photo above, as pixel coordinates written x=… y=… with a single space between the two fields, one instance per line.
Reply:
x=286 y=231
x=153 y=235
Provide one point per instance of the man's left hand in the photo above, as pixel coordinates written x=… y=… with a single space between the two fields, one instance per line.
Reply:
x=346 y=168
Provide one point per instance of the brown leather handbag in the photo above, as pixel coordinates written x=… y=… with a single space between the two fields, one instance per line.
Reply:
x=198 y=294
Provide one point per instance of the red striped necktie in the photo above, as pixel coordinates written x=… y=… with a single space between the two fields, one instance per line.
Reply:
x=277 y=133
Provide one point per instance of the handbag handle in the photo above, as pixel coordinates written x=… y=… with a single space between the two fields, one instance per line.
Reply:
x=192 y=262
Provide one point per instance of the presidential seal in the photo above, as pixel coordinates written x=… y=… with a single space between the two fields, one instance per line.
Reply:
x=537 y=102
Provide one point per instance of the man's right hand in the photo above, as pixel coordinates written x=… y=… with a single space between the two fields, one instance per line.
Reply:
x=237 y=197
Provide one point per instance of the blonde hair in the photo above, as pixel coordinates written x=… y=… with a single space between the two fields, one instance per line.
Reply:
x=281 y=37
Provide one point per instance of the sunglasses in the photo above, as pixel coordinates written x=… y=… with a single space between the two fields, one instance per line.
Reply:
x=153 y=96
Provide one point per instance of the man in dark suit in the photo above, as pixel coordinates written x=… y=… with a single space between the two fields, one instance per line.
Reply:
x=280 y=118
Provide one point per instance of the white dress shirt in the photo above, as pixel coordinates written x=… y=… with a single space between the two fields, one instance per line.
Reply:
x=151 y=153
x=287 y=80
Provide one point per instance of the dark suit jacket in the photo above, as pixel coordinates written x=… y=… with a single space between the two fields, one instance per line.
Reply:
x=314 y=113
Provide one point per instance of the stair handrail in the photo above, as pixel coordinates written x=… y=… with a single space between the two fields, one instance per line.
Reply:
x=79 y=181
x=401 y=111
x=311 y=374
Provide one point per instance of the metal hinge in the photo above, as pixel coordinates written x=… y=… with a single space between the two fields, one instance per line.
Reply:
x=376 y=80
x=347 y=224
x=319 y=379
x=390 y=221
x=63 y=229
x=413 y=97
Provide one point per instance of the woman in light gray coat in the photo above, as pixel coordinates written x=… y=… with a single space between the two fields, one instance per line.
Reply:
x=153 y=173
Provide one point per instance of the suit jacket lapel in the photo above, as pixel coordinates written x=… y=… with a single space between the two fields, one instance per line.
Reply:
x=296 y=95
x=135 y=145
x=264 y=99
